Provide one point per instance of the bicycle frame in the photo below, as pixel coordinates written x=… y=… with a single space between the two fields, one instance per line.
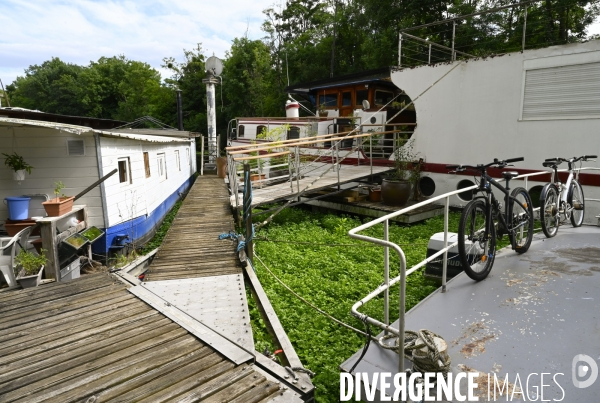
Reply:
x=493 y=205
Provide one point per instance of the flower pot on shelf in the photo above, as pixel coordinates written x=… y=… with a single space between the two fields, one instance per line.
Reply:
x=59 y=206
x=395 y=192
x=13 y=227
x=30 y=281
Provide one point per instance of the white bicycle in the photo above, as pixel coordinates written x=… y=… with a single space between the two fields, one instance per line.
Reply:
x=560 y=202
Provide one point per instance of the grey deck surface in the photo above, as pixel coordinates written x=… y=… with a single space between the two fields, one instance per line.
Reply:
x=282 y=191
x=90 y=337
x=534 y=313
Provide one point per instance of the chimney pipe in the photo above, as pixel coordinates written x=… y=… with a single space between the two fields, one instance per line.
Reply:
x=179 y=111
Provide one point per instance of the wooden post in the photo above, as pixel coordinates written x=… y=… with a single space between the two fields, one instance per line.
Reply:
x=247 y=212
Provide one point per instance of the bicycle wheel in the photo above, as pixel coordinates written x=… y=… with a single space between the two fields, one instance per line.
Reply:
x=550 y=211
x=476 y=251
x=522 y=219
x=575 y=199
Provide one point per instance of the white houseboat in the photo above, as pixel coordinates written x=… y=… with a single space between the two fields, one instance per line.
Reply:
x=154 y=167
x=535 y=104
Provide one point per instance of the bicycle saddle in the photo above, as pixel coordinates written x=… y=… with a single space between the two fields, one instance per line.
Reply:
x=509 y=174
x=549 y=164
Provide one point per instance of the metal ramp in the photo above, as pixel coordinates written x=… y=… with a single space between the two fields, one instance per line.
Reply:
x=534 y=313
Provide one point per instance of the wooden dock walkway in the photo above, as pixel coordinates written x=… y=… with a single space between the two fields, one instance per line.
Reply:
x=92 y=340
x=192 y=247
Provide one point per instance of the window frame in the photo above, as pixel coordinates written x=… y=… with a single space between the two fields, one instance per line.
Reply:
x=146 y=158
x=128 y=179
x=161 y=156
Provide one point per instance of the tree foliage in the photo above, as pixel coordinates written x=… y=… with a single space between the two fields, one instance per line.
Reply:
x=305 y=40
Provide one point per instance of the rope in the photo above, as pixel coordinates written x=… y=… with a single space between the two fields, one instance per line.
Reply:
x=431 y=361
x=332 y=244
x=236 y=237
x=428 y=361
x=339 y=322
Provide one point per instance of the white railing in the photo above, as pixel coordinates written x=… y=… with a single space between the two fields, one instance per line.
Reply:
x=385 y=242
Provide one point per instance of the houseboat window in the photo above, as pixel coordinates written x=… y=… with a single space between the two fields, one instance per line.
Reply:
x=187 y=150
x=75 y=147
x=383 y=97
x=329 y=100
x=561 y=92
x=147 y=164
x=361 y=95
x=241 y=130
x=346 y=98
x=162 y=166
x=124 y=170
x=177 y=160
x=293 y=133
x=260 y=129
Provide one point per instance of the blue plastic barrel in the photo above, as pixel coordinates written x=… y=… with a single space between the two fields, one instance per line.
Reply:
x=18 y=207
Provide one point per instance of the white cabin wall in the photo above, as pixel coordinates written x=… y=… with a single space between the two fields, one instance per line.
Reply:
x=472 y=115
x=143 y=195
x=46 y=150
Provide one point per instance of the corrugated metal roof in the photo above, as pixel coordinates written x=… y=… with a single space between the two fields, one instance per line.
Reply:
x=7 y=122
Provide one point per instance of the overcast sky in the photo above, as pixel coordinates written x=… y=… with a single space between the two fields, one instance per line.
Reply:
x=78 y=31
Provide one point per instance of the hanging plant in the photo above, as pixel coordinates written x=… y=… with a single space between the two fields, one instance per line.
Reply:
x=16 y=163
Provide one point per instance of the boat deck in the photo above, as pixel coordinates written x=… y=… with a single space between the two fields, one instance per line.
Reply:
x=534 y=313
x=92 y=340
x=283 y=191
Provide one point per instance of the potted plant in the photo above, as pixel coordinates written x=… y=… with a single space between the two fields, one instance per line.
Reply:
x=395 y=189
x=61 y=204
x=322 y=111
x=16 y=162
x=31 y=266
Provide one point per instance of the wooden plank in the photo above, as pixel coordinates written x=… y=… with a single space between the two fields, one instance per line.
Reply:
x=46 y=383
x=44 y=324
x=185 y=379
x=257 y=393
x=72 y=332
x=273 y=322
x=104 y=378
x=218 y=384
x=150 y=382
x=236 y=389
x=24 y=363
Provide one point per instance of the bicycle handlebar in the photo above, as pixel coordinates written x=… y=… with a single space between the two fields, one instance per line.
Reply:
x=558 y=160
x=481 y=167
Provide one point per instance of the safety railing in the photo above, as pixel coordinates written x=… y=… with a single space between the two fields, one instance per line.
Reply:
x=387 y=245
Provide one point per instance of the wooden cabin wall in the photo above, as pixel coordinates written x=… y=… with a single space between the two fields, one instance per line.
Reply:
x=46 y=150
x=130 y=200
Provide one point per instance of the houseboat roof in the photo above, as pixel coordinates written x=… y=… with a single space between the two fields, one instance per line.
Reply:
x=95 y=123
x=166 y=136
x=380 y=76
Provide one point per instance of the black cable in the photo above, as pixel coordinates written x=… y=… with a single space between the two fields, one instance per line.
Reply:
x=366 y=347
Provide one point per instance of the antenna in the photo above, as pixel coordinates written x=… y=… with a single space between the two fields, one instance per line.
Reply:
x=214 y=65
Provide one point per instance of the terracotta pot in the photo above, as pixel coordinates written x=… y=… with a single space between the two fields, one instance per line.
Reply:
x=13 y=227
x=375 y=195
x=59 y=206
x=257 y=177
x=395 y=192
x=221 y=167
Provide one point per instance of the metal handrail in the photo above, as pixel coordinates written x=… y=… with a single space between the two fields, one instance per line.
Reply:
x=353 y=233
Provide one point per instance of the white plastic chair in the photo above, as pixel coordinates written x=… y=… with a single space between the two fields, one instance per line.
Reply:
x=9 y=248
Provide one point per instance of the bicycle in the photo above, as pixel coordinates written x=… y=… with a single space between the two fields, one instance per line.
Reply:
x=478 y=230
x=557 y=199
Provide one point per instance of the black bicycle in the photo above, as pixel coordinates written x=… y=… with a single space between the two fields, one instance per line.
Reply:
x=483 y=221
x=560 y=202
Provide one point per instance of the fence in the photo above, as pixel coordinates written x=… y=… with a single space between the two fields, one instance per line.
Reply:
x=385 y=287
